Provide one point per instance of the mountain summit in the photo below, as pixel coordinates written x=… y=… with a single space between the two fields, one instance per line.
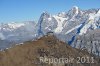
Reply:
x=49 y=46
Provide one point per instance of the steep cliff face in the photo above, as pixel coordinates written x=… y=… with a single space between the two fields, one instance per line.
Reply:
x=29 y=54
x=89 y=41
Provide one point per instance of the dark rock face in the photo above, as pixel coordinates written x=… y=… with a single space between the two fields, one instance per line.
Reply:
x=41 y=51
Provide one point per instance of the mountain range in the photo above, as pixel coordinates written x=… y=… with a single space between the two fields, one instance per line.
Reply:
x=67 y=26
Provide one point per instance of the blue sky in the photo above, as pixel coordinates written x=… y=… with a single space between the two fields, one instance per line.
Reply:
x=28 y=10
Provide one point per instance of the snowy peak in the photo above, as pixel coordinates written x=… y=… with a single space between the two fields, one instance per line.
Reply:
x=15 y=25
x=73 y=12
x=45 y=14
x=75 y=9
x=62 y=14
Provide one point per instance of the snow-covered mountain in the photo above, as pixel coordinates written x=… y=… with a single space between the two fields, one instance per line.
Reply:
x=12 y=33
x=67 y=26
